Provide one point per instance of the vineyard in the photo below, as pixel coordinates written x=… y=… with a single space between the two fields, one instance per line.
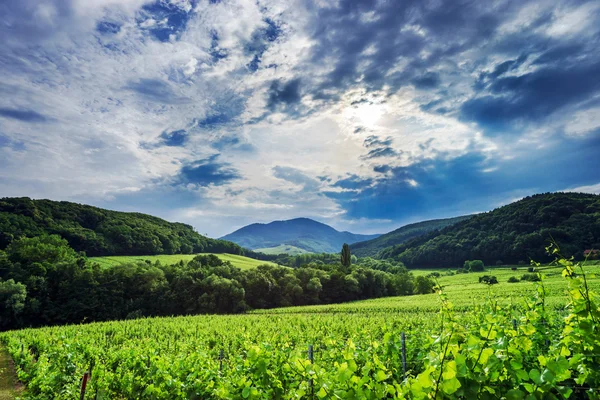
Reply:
x=529 y=340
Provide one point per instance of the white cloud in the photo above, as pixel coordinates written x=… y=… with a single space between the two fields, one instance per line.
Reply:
x=595 y=189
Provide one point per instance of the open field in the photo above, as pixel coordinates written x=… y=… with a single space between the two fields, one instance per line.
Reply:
x=282 y=249
x=463 y=290
x=238 y=261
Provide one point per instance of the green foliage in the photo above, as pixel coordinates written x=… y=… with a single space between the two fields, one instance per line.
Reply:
x=346 y=258
x=492 y=350
x=513 y=279
x=370 y=248
x=61 y=286
x=530 y=358
x=488 y=279
x=99 y=232
x=424 y=285
x=516 y=232
x=531 y=277
x=474 y=266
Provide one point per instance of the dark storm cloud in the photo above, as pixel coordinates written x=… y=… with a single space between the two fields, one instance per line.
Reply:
x=284 y=94
x=366 y=39
x=208 y=172
x=532 y=96
x=429 y=80
x=22 y=115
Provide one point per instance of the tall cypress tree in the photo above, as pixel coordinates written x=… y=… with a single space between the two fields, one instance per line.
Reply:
x=346 y=260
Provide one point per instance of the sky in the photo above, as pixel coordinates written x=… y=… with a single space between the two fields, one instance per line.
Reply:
x=366 y=115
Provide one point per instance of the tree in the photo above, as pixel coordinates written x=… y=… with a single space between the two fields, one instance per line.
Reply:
x=346 y=256
x=474 y=266
x=12 y=301
x=424 y=285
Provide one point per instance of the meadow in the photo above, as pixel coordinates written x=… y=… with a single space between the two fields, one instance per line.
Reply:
x=350 y=351
x=238 y=261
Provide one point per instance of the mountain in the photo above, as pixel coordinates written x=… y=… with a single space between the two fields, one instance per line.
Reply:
x=101 y=232
x=515 y=233
x=304 y=233
x=370 y=248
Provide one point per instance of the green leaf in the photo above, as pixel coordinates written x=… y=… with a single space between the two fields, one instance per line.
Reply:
x=535 y=376
x=449 y=370
x=246 y=392
x=515 y=394
x=450 y=386
x=380 y=376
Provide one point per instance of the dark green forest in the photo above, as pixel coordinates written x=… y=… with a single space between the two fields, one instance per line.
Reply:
x=43 y=281
x=370 y=248
x=513 y=234
x=100 y=232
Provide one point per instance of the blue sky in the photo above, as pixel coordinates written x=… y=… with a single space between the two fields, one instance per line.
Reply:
x=366 y=115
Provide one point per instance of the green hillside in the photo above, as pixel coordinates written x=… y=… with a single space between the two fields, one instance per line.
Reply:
x=282 y=249
x=241 y=262
x=370 y=248
x=101 y=232
x=511 y=234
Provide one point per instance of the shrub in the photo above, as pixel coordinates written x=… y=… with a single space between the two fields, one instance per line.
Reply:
x=433 y=275
x=530 y=277
x=488 y=279
x=474 y=266
x=531 y=269
x=513 y=268
x=499 y=263
x=462 y=271
x=513 y=279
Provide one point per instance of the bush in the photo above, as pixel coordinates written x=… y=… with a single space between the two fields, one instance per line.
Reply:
x=462 y=271
x=499 y=263
x=488 y=279
x=531 y=269
x=513 y=279
x=513 y=268
x=530 y=277
x=433 y=275
x=474 y=266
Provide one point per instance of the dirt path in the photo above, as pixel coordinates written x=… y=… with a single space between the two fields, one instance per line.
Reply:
x=9 y=386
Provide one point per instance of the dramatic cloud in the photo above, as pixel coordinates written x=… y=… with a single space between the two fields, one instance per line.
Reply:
x=364 y=114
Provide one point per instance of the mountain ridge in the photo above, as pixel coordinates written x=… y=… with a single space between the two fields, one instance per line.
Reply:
x=102 y=232
x=512 y=234
x=304 y=233
x=370 y=248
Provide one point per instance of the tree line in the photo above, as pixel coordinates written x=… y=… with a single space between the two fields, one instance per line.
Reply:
x=43 y=281
x=100 y=232
x=513 y=234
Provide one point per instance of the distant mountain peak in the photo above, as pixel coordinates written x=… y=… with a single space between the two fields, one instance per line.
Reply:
x=303 y=233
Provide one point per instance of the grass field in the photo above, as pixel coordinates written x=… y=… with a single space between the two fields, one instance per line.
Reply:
x=238 y=261
x=282 y=249
x=463 y=290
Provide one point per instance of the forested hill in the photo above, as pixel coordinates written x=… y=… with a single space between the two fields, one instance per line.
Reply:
x=370 y=248
x=511 y=234
x=101 y=232
x=304 y=233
